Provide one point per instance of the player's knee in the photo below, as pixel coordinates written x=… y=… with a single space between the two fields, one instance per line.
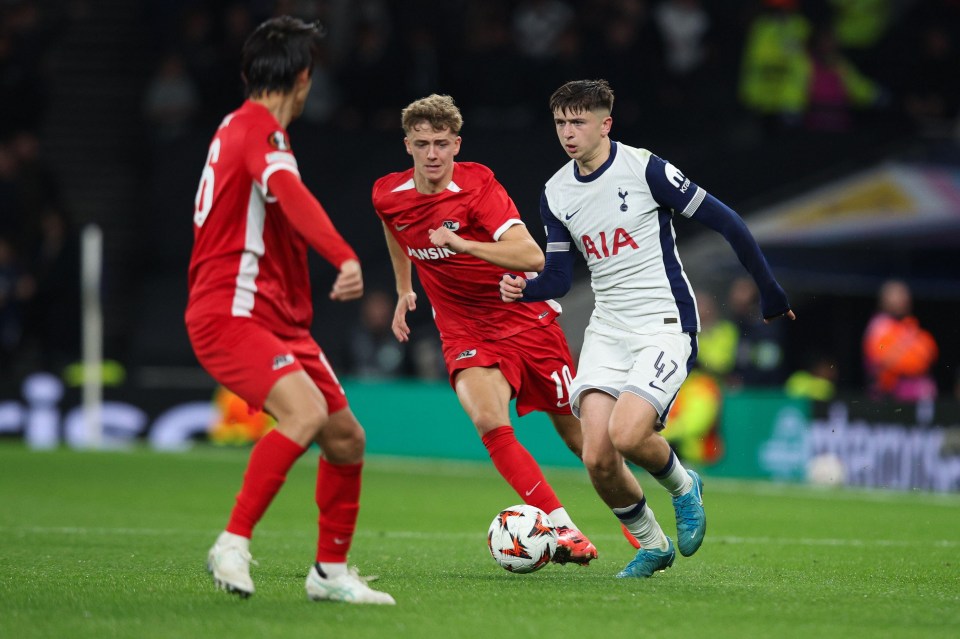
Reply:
x=343 y=440
x=305 y=423
x=485 y=422
x=346 y=447
x=600 y=466
x=626 y=435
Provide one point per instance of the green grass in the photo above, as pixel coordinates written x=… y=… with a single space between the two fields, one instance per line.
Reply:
x=112 y=544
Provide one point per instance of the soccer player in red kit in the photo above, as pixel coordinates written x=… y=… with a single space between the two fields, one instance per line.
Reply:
x=249 y=312
x=458 y=225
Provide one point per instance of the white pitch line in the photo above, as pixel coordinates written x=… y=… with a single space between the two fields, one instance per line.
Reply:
x=411 y=534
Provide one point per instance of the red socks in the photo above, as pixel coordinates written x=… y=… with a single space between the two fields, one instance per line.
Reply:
x=338 y=498
x=270 y=460
x=520 y=469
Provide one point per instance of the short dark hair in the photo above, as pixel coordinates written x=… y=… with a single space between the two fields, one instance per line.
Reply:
x=582 y=95
x=276 y=52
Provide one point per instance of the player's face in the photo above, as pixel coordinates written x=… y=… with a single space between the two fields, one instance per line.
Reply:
x=433 y=152
x=582 y=134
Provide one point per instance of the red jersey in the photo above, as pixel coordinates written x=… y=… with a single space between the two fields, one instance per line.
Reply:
x=248 y=260
x=462 y=289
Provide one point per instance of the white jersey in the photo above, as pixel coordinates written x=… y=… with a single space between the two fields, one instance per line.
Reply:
x=620 y=217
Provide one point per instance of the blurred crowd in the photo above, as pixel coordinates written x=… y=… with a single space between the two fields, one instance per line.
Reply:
x=39 y=257
x=813 y=64
x=746 y=70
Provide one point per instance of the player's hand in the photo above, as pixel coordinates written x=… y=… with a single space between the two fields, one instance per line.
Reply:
x=407 y=302
x=511 y=287
x=349 y=283
x=789 y=315
x=445 y=238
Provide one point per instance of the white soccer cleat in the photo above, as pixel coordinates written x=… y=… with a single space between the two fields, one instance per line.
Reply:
x=229 y=563
x=348 y=588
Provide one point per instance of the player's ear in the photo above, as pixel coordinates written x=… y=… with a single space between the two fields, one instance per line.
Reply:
x=303 y=77
x=406 y=143
x=456 y=145
x=606 y=124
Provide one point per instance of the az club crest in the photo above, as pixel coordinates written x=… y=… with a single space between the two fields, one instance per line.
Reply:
x=451 y=224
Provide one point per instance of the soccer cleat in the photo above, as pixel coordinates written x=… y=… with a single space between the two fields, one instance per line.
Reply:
x=630 y=538
x=648 y=561
x=573 y=547
x=229 y=563
x=691 y=519
x=347 y=588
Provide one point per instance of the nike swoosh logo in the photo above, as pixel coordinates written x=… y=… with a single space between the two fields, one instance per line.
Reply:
x=652 y=385
x=562 y=404
x=400 y=227
x=339 y=541
x=570 y=215
x=530 y=492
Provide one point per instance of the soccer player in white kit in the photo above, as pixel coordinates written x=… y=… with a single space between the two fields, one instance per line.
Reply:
x=615 y=204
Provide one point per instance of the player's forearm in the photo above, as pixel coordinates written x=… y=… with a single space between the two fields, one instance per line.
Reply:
x=722 y=219
x=555 y=280
x=402 y=268
x=513 y=255
x=308 y=217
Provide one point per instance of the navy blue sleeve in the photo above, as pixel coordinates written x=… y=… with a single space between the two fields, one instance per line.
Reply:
x=721 y=218
x=671 y=188
x=557 y=276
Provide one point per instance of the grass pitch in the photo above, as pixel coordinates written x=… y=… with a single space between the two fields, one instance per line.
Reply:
x=113 y=544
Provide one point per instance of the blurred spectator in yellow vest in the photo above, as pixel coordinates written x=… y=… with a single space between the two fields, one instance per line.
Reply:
x=817 y=382
x=694 y=419
x=773 y=75
x=860 y=24
x=717 y=341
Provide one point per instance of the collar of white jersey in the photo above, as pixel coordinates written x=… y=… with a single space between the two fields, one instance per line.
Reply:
x=600 y=171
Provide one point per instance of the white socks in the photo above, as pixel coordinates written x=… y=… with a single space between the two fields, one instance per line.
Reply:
x=559 y=517
x=674 y=477
x=642 y=524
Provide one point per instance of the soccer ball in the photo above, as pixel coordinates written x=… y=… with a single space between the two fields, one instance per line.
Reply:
x=826 y=470
x=522 y=538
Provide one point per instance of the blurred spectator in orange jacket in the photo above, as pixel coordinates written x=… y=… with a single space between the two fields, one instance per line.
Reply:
x=898 y=354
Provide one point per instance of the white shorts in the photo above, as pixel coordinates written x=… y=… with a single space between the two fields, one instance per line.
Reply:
x=617 y=361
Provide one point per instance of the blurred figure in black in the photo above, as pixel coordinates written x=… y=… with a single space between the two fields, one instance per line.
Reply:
x=760 y=360
x=372 y=350
x=52 y=327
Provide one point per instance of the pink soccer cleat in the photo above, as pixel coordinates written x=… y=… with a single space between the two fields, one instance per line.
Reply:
x=573 y=547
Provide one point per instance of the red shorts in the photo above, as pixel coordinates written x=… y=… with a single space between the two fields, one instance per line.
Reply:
x=248 y=359
x=536 y=362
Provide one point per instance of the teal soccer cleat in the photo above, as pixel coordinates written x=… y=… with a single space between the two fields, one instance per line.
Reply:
x=648 y=561
x=691 y=520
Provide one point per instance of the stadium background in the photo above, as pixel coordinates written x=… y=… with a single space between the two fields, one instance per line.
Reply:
x=79 y=76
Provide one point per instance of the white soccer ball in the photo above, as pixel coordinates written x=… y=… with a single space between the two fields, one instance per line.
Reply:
x=522 y=538
x=826 y=470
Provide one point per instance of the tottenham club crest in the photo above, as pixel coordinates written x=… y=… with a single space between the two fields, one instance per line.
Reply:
x=452 y=225
x=623 y=196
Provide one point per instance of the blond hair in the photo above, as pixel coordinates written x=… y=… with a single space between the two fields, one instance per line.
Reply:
x=438 y=111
